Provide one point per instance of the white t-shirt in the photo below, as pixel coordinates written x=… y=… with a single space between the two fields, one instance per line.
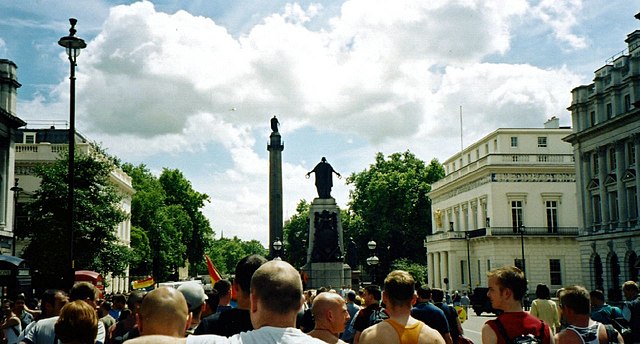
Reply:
x=264 y=335
x=43 y=332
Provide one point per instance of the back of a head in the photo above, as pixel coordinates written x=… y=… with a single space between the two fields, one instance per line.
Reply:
x=437 y=295
x=83 y=291
x=324 y=302
x=351 y=296
x=597 y=295
x=512 y=278
x=212 y=298
x=245 y=269
x=577 y=298
x=278 y=287
x=424 y=292
x=399 y=287
x=119 y=298
x=164 y=311
x=193 y=293
x=78 y=323
x=374 y=291
x=630 y=286
x=135 y=298
x=49 y=296
x=542 y=291
x=223 y=287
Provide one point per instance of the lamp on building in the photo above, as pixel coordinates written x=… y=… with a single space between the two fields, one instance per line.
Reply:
x=16 y=193
x=373 y=260
x=277 y=246
x=73 y=46
x=521 y=229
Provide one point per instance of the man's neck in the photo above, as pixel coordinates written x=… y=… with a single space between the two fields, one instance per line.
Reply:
x=399 y=314
x=513 y=307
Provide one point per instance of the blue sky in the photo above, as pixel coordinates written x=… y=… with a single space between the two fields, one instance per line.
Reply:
x=192 y=84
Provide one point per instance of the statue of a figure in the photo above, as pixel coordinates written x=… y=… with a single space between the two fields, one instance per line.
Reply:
x=324 y=178
x=326 y=247
x=274 y=124
x=352 y=254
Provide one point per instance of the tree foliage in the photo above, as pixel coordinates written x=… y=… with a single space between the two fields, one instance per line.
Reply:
x=226 y=253
x=296 y=235
x=97 y=214
x=390 y=205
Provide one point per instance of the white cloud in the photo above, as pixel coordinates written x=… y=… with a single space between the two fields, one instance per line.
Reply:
x=392 y=74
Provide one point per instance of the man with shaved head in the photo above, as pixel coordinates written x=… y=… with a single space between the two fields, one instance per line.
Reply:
x=331 y=315
x=164 y=311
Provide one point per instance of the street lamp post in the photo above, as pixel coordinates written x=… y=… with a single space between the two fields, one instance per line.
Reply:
x=466 y=236
x=16 y=193
x=277 y=246
x=524 y=265
x=373 y=260
x=73 y=45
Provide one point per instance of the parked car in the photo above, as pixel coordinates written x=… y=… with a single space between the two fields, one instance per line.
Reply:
x=480 y=301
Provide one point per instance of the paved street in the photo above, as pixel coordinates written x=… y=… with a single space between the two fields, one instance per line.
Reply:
x=473 y=325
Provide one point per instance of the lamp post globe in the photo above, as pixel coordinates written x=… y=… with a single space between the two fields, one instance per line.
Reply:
x=73 y=45
x=277 y=246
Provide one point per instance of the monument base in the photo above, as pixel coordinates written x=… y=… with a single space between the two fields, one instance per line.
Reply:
x=329 y=275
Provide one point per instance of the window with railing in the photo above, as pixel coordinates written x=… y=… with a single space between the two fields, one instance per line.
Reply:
x=516 y=215
x=552 y=216
x=555 y=272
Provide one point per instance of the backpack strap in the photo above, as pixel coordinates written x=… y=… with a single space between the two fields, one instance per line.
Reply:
x=612 y=334
x=541 y=338
x=502 y=330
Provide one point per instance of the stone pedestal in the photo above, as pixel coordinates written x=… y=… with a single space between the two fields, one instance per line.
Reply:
x=325 y=254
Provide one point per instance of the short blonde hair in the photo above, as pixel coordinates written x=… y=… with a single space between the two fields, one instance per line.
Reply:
x=78 y=323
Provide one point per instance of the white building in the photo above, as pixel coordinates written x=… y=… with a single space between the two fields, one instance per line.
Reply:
x=512 y=191
x=40 y=146
x=606 y=142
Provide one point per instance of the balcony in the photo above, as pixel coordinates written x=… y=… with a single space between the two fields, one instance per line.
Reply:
x=504 y=232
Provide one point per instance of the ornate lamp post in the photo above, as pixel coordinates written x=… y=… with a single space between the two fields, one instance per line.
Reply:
x=373 y=261
x=521 y=229
x=16 y=193
x=277 y=246
x=73 y=45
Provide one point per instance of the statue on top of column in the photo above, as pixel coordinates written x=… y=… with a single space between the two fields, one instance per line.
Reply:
x=324 y=178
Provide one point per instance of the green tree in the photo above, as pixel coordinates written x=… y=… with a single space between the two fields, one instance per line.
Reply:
x=296 y=235
x=417 y=271
x=179 y=192
x=390 y=200
x=142 y=261
x=227 y=252
x=97 y=213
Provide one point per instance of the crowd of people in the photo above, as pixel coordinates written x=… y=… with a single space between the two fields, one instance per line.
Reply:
x=271 y=307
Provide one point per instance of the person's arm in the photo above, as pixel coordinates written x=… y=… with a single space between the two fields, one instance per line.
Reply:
x=356 y=337
x=447 y=338
x=534 y=308
x=13 y=321
x=488 y=336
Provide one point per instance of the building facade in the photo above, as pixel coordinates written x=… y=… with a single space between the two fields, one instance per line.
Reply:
x=508 y=196
x=35 y=147
x=606 y=144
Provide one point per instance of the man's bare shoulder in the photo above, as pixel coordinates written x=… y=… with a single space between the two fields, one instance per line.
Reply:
x=429 y=335
x=156 y=338
x=379 y=333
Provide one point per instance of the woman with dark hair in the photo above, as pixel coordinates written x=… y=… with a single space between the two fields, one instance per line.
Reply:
x=544 y=308
x=77 y=324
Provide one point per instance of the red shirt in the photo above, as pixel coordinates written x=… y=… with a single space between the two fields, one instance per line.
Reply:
x=519 y=323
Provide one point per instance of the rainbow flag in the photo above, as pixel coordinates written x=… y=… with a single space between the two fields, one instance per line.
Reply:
x=213 y=272
x=143 y=283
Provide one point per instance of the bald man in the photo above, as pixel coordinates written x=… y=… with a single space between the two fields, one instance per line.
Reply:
x=164 y=311
x=331 y=315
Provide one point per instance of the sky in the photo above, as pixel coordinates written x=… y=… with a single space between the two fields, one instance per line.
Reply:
x=192 y=85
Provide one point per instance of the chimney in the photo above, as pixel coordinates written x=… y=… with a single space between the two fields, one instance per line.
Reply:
x=552 y=123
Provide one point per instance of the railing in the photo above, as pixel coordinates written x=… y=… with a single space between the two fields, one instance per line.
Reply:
x=503 y=231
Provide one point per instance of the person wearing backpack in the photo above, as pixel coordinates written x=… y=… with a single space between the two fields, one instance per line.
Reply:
x=363 y=320
x=575 y=309
x=507 y=286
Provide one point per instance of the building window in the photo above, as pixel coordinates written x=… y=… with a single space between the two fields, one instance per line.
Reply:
x=612 y=160
x=542 y=142
x=597 y=216
x=631 y=154
x=468 y=158
x=609 y=110
x=454 y=166
x=514 y=141
x=477 y=153
x=479 y=273
x=592 y=116
x=518 y=263
x=632 y=204
x=552 y=216
x=29 y=138
x=627 y=102
x=488 y=265
x=486 y=148
x=555 y=272
x=516 y=215
x=613 y=206
x=596 y=165
x=463 y=271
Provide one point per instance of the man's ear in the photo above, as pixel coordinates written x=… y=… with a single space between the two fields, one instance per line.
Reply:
x=189 y=320
x=139 y=322
x=254 y=302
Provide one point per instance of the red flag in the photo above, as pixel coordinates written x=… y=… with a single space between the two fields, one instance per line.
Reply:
x=213 y=272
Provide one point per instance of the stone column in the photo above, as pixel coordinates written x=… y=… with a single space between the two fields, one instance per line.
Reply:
x=621 y=190
x=587 y=216
x=437 y=280
x=430 y=268
x=275 y=148
x=602 y=177
x=444 y=265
